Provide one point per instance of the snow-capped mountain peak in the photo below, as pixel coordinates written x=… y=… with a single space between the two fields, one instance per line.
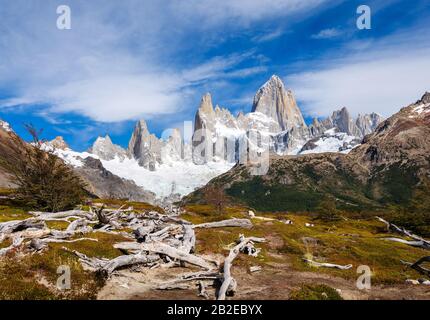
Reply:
x=5 y=126
x=273 y=100
x=105 y=149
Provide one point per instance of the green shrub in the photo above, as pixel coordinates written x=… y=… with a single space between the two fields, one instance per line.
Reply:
x=315 y=292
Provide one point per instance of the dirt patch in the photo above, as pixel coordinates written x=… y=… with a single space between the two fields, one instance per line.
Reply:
x=274 y=283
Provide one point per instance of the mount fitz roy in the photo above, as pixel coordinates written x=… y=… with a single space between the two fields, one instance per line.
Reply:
x=274 y=113
x=169 y=169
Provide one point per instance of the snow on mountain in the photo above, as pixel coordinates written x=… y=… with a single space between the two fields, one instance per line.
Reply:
x=273 y=100
x=105 y=149
x=173 y=167
x=5 y=126
x=176 y=177
x=330 y=141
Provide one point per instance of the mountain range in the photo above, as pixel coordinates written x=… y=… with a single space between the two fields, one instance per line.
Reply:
x=390 y=167
x=172 y=167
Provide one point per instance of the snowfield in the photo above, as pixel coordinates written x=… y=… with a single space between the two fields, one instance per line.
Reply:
x=333 y=141
x=179 y=176
x=176 y=177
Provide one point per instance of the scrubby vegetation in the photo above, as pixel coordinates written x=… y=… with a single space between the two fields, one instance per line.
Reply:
x=315 y=292
x=347 y=241
x=44 y=182
x=350 y=240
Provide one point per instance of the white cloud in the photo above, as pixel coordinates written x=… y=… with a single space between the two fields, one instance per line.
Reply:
x=327 y=34
x=118 y=61
x=381 y=76
x=269 y=36
x=213 y=12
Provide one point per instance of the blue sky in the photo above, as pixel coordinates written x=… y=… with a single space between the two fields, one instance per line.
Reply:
x=153 y=60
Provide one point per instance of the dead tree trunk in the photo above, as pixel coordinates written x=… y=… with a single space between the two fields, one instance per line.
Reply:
x=228 y=286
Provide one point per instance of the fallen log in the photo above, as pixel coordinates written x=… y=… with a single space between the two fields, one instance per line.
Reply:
x=107 y=267
x=189 y=239
x=63 y=214
x=202 y=290
x=30 y=233
x=228 y=286
x=418 y=282
x=241 y=223
x=141 y=233
x=19 y=225
x=417 y=265
x=413 y=243
x=76 y=224
x=327 y=265
x=16 y=243
x=161 y=248
x=49 y=240
x=188 y=277
x=419 y=241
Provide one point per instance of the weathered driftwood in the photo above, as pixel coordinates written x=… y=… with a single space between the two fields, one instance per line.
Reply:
x=228 y=286
x=162 y=248
x=189 y=277
x=413 y=243
x=141 y=233
x=255 y=269
x=188 y=240
x=327 y=265
x=16 y=242
x=64 y=214
x=418 y=282
x=417 y=240
x=417 y=265
x=241 y=223
x=19 y=225
x=202 y=290
x=30 y=233
x=48 y=240
x=106 y=267
x=101 y=216
x=76 y=224
x=37 y=245
x=174 y=286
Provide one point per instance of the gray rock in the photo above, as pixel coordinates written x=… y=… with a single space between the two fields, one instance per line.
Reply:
x=106 y=150
x=279 y=104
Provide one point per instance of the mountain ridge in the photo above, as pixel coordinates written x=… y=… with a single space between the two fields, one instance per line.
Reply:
x=390 y=167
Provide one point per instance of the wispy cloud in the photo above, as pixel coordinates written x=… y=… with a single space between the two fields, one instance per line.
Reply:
x=269 y=36
x=381 y=76
x=327 y=34
x=119 y=61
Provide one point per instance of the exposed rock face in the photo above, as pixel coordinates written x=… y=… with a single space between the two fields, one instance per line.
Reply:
x=5 y=134
x=173 y=148
x=105 y=184
x=279 y=104
x=59 y=143
x=145 y=147
x=367 y=123
x=106 y=150
x=205 y=116
x=341 y=120
x=275 y=114
x=403 y=136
